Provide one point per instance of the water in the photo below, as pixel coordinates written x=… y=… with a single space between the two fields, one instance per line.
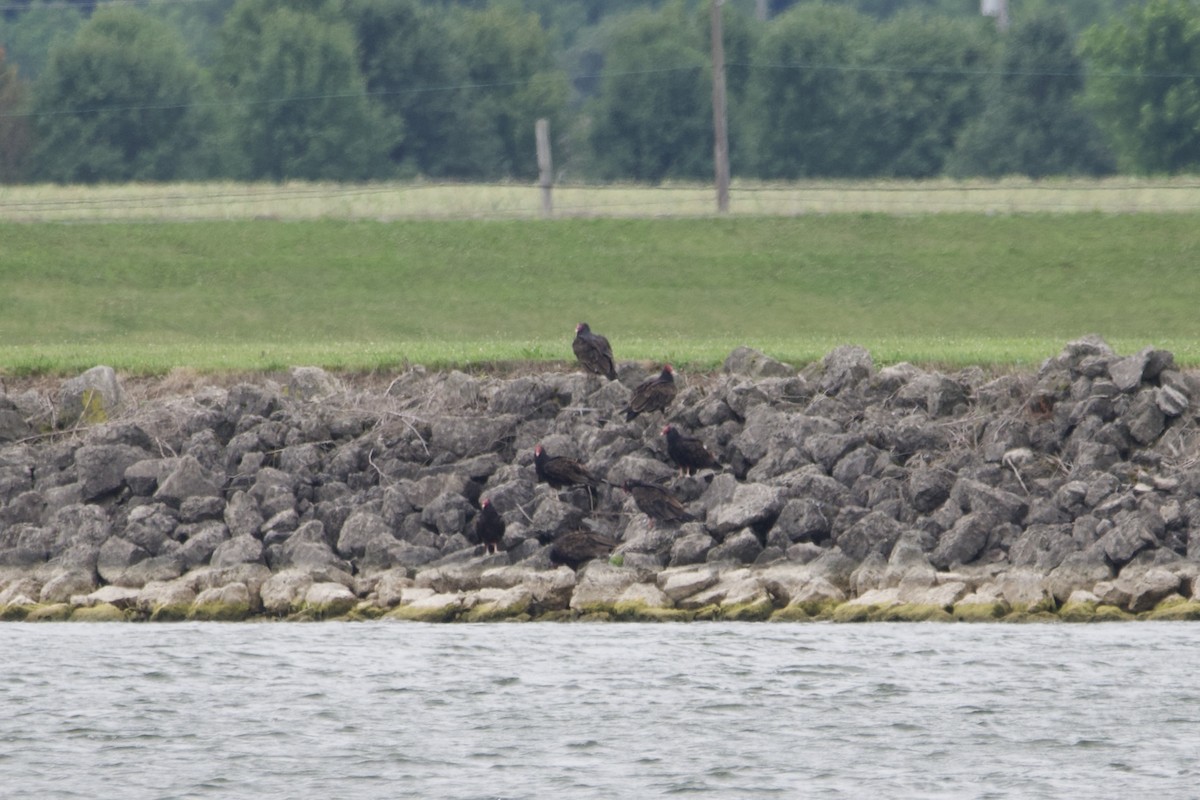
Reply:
x=342 y=710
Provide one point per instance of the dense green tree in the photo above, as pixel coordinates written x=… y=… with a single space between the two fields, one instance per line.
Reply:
x=653 y=118
x=1032 y=124
x=1145 y=85
x=919 y=83
x=418 y=82
x=28 y=37
x=569 y=18
x=300 y=107
x=797 y=121
x=123 y=102
x=1078 y=14
x=513 y=82
x=198 y=23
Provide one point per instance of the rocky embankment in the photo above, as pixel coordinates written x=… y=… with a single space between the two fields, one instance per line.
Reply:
x=846 y=492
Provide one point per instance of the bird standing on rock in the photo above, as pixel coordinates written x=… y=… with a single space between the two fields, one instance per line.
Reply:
x=653 y=394
x=594 y=352
x=657 y=503
x=489 y=526
x=688 y=452
x=561 y=472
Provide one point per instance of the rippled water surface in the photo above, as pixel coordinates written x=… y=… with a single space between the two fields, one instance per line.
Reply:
x=341 y=710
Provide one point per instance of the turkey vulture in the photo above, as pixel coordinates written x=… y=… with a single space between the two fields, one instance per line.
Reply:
x=688 y=452
x=593 y=352
x=656 y=502
x=561 y=472
x=489 y=526
x=653 y=394
x=578 y=547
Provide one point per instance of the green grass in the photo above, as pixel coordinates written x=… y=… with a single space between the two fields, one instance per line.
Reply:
x=951 y=289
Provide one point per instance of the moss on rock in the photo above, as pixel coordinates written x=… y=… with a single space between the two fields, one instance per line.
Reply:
x=915 y=612
x=365 y=612
x=754 y=611
x=219 y=612
x=853 y=612
x=1078 y=612
x=16 y=612
x=495 y=612
x=632 y=611
x=1175 y=609
x=54 y=612
x=170 y=612
x=980 y=612
x=794 y=613
x=330 y=610
x=101 y=612
x=1107 y=613
x=94 y=408
x=418 y=613
x=1027 y=616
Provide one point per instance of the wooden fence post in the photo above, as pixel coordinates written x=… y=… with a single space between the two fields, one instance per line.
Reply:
x=545 y=168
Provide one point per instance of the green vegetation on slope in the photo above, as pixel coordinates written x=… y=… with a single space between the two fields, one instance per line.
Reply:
x=954 y=289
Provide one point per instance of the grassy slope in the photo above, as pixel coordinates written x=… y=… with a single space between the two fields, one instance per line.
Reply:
x=947 y=288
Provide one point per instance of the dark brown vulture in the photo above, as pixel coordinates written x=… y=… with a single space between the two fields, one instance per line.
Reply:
x=657 y=503
x=489 y=526
x=561 y=472
x=688 y=452
x=578 y=547
x=653 y=394
x=594 y=352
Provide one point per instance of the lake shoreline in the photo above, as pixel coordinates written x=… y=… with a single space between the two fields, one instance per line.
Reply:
x=842 y=492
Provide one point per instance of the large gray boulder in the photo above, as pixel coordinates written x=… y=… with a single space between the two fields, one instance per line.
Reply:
x=740 y=548
x=93 y=397
x=101 y=468
x=750 y=363
x=751 y=504
x=874 y=533
x=361 y=529
x=188 y=479
x=844 y=367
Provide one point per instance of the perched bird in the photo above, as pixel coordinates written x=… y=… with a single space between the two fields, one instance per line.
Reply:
x=688 y=452
x=489 y=526
x=656 y=502
x=561 y=472
x=578 y=547
x=594 y=352
x=653 y=394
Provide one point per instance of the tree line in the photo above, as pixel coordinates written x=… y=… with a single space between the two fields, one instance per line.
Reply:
x=378 y=89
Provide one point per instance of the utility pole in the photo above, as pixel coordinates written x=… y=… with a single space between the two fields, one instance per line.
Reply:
x=720 y=129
